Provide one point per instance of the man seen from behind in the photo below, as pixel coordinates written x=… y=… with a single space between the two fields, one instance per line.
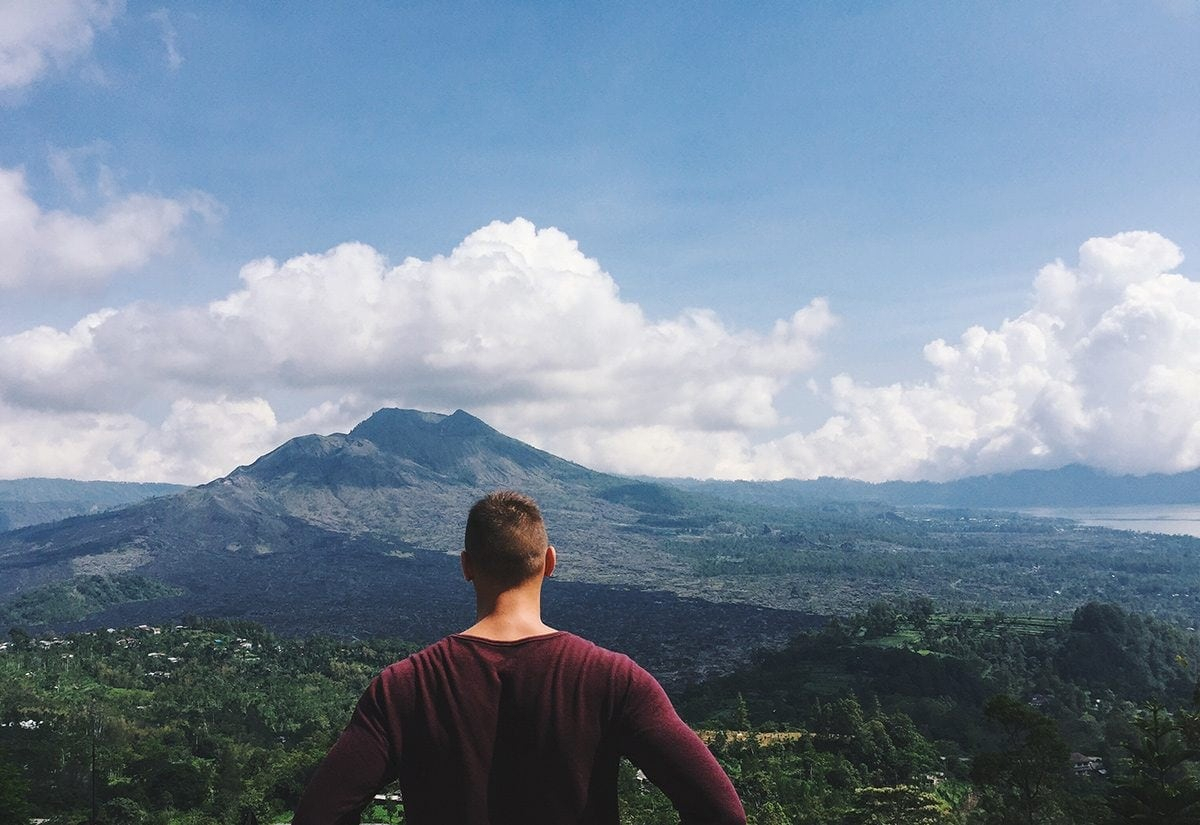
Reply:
x=511 y=721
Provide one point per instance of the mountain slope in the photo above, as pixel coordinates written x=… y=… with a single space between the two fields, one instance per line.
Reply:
x=401 y=479
x=27 y=501
x=359 y=533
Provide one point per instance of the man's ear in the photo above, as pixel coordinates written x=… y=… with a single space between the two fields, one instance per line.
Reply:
x=551 y=560
x=468 y=570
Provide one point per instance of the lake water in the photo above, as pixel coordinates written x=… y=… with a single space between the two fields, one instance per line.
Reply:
x=1176 y=519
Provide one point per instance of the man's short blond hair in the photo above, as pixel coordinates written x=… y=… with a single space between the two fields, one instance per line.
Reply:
x=506 y=538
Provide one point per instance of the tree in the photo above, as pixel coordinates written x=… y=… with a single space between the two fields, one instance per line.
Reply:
x=21 y=640
x=122 y=811
x=881 y=620
x=919 y=610
x=14 y=806
x=899 y=803
x=1024 y=779
x=1159 y=788
x=741 y=715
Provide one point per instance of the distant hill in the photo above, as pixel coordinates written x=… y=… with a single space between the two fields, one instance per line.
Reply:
x=27 y=501
x=1070 y=486
x=359 y=533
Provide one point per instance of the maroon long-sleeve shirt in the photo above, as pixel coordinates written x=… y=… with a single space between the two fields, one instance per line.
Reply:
x=526 y=732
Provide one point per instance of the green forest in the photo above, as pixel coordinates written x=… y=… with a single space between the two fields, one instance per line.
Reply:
x=901 y=713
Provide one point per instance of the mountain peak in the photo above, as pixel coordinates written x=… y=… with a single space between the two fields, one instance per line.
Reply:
x=458 y=444
x=397 y=430
x=461 y=422
x=391 y=418
x=395 y=446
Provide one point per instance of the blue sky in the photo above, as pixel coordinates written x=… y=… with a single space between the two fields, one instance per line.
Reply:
x=909 y=166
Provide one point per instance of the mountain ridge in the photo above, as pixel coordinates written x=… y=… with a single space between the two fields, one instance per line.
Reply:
x=420 y=443
x=26 y=501
x=1073 y=485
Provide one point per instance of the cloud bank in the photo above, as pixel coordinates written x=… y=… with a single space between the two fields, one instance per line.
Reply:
x=1103 y=369
x=43 y=34
x=518 y=326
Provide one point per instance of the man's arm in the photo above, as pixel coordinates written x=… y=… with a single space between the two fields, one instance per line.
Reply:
x=356 y=767
x=673 y=757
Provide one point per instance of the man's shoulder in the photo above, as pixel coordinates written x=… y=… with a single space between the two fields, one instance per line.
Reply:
x=588 y=648
x=438 y=650
x=616 y=670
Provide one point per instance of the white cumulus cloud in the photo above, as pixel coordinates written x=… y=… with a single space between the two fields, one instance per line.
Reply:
x=516 y=324
x=37 y=35
x=55 y=247
x=1102 y=369
x=197 y=440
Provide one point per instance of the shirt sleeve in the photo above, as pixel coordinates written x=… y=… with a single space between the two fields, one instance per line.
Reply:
x=673 y=757
x=360 y=763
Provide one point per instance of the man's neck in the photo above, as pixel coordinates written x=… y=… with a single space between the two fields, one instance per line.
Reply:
x=500 y=631
x=508 y=616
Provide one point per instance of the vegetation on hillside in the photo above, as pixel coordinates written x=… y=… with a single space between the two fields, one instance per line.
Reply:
x=1035 y=720
x=206 y=722
x=833 y=559
x=898 y=714
x=79 y=597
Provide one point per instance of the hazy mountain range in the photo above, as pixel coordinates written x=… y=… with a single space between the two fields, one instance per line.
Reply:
x=1070 y=486
x=27 y=501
